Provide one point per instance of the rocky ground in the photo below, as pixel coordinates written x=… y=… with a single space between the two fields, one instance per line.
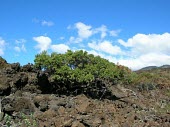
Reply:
x=28 y=101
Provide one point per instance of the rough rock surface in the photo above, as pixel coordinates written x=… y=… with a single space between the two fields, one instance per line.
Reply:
x=27 y=97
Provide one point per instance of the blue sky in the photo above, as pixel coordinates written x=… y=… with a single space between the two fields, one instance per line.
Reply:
x=134 y=33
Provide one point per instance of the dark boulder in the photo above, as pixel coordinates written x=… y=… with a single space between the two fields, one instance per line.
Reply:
x=20 y=80
x=3 y=63
x=27 y=68
x=13 y=104
x=5 y=88
x=16 y=67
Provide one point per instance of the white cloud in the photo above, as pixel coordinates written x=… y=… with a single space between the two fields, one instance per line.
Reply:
x=103 y=29
x=84 y=31
x=43 y=43
x=94 y=53
x=71 y=39
x=75 y=40
x=139 y=51
x=20 y=45
x=147 y=50
x=16 y=48
x=97 y=53
x=142 y=44
x=105 y=46
x=60 y=48
x=2 y=46
x=47 y=23
x=151 y=59
x=20 y=48
x=114 y=33
x=111 y=58
x=23 y=48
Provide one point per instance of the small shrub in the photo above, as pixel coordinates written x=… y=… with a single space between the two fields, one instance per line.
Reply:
x=146 y=86
x=25 y=120
x=29 y=121
x=8 y=120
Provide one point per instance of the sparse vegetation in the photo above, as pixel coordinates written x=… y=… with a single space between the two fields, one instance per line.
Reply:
x=26 y=121
x=152 y=79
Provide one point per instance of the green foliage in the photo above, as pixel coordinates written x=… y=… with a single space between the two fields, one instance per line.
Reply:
x=167 y=92
x=8 y=121
x=29 y=121
x=42 y=60
x=26 y=121
x=145 y=81
x=77 y=69
x=79 y=66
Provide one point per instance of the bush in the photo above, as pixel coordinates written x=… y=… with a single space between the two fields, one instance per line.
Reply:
x=80 y=70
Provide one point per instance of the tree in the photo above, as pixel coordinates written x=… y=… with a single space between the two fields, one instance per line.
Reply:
x=79 y=70
x=42 y=61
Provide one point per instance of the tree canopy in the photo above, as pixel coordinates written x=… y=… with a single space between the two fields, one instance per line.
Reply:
x=79 y=69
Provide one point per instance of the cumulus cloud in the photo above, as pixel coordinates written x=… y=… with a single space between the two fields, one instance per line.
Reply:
x=151 y=59
x=59 y=48
x=114 y=33
x=20 y=45
x=111 y=58
x=21 y=48
x=2 y=46
x=105 y=46
x=103 y=30
x=137 y=52
x=43 y=43
x=147 y=50
x=84 y=31
x=16 y=48
x=47 y=23
x=142 y=44
x=75 y=40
